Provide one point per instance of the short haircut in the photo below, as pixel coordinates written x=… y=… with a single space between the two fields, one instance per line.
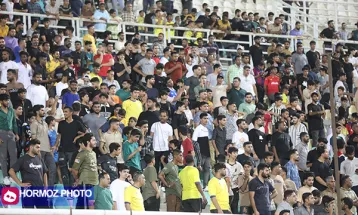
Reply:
x=262 y=166
x=350 y=150
x=348 y=201
x=114 y=146
x=219 y=166
x=232 y=149
x=148 y=158
x=221 y=117
x=288 y=193
x=268 y=154
x=305 y=196
x=189 y=159
x=320 y=150
x=302 y=133
x=247 y=143
x=306 y=175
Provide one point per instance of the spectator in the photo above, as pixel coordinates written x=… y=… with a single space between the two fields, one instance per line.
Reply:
x=346 y=191
x=307 y=203
x=292 y=169
x=103 y=196
x=290 y=199
x=132 y=195
x=151 y=191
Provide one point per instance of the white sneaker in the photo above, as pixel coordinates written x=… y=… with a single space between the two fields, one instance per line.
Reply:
x=7 y=180
x=206 y=189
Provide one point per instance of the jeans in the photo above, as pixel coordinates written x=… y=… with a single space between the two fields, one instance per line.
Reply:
x=214 y=211
x=152 y=204
x=51 y=166
x=7 y=148
x=147 y=4
x=315 y=135
x=63 y=162
x=206 y=166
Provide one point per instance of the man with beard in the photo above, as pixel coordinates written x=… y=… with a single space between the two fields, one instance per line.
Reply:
x=321 y=168
x=346 y=191
x=25 y=70
x=39 y=130
x=315 y=114
x=33 y=173
x=302 y=149
x=11 y=41
x=71 y=96
x=218 y=190
x=47 y=33
x=258 y=139
x=296 y=129
x=84 y=170
x=94 y=120
x=256 y=51
x=292 y=169
x=69 y=131
x=66 y=49
x=24 y=103
x=5 y=65
x=13 y=86
x=3 y=47
x=261 y=191
x=87 y=57
x=37 y=93
x=308 y=186
x=151 y=114
x=8 y=136
x=308 y=201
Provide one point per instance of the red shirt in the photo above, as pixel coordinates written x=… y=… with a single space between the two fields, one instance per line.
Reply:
x=156 y=59
x=104 y=69
x=187 y=147
x=272 y=83
x=177 y=73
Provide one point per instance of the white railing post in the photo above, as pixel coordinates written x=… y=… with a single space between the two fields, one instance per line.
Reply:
x=25 y=23
x=124 y=31
x=315 y=30
x=335 y=14
x=169 y=36
x=78 y=30
x=165 y=36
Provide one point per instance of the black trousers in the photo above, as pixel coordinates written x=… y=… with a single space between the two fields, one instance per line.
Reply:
x=158 y=163
x=234 y=203
x=216 y=211
x=152 y=204
x=192 y=205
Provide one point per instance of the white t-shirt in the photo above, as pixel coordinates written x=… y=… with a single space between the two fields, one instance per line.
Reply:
x=117 y=189
x=161 y=133
x=37 y=95
x=163 y=61
x=24 y=74
x=247 y=83
x=59 y=87
x=190 y=70
x=189 y=116
x=239 y=138
x=4 y=66
x=348 y=167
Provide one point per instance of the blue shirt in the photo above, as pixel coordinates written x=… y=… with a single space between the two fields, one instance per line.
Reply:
x=292 y=173
x=129 y=148
x=99 y=14
x=69 y=98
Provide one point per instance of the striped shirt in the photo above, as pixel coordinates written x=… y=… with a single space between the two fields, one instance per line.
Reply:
x=294 y=131
x=276 y=110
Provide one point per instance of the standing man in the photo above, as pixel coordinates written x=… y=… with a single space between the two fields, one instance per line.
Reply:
x=108 y=162
x=292 y=169
x=307 y=203
x=218 y=190
x=5 y=65
x=132 y=106
x=240 y=136
x=85 y=171
x=315 y=119
x=261 y=191
x=219 y=136
x=94 y=120
x=321 y=169
x=162 y=133
x=302 y=149
x=118 y=186
x=33 y=174
x=8 y=136
x=71 y=96
x=102 y=195
x=37 y=93
x=39 y=130
x=175 y=69
x=69 y=131
x=132 y=196
x=281 y=143
x=295 y=130
x=235 y=93
x=190 y=180
x=147 y=65
x=201 y=136
x=170 y=178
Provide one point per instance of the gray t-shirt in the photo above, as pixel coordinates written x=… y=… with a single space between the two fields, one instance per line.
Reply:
x=93 y=122
x=147 y=66
x=299 y=60
x=284 y=206
x=192 y=82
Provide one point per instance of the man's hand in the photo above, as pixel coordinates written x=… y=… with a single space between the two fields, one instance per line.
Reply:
x=256 y=213
x=220 y=211
x=25 y=184
x=139 y=148
x=205 y=201
x=255 y=157
x=199 y=168
x=17 y=138
x=157 y=195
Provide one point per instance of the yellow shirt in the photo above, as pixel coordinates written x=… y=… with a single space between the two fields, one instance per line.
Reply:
x=218 y=188
x=140 y=20
x=158 y=30
x=4 y=31
x=285 y=99
x=133 y=109
x=52 y=65
x=93 y=75
x=133 y=196
x=172 y=32
x=189 y=176
x=89 y=37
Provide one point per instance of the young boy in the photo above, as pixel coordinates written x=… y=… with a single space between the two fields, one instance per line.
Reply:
x=140 y=19
x=187 y=144
x=159 y=76
x=131 y=151
x=150 y=190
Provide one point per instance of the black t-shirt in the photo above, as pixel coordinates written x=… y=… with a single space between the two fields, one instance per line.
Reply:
x=262 y=194
x=328 y=33
x=68 y=133
x=352 y=143
x=336 y=68
x=348 y=69
x=151 y=116
x=302 y=81
x=33 y=52
x=315 y=121
x=259 y=141
x=242 y=158
x=256 y=54
x=32 y=170
x=84 y=110
x=283 y=144
x=119 y=68
x=109 y=165
x=312 y=58
x=322 y=170
x=312 y=156
x=152 y=93
x=49 y=33
x=289 y=79
x=179 y=120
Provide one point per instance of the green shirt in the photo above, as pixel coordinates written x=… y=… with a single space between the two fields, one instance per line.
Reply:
x=86 y=164
x=247 y=108
x=129 y=148
x=171 y=175
x=150 y=174
x=102 y=198
x=123 y=95
x=234 y=71
x=8 y=120
x=236 y=96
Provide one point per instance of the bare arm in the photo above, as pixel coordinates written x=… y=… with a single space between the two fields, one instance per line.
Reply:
x=252 y=201
x=137 y=70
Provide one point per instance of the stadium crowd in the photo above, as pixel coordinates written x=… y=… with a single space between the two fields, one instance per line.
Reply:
x=131 y=121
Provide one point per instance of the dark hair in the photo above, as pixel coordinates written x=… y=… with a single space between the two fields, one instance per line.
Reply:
x=202 y=115
x=183 y=130
x=344 y=179
x=148 y=158
x=221 y=117
x=37 y=108
x=114 y=146
x=49 y=119
x=305 y=196
x=274 y=164
x=268 y=154
x=350 y=150
x=326 y=200
x=348 y=201
x=87 y=138
x=291 y=152
x=288 y=193
x=232 y=149
x=262 y=166
x=247 y=143
x=306 y=175
x=247 y=162
x=284 y=211
x=219 y=166
x=320 y=150
x=189 y=159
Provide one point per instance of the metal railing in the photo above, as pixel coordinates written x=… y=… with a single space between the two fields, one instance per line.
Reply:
x=77 y=24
